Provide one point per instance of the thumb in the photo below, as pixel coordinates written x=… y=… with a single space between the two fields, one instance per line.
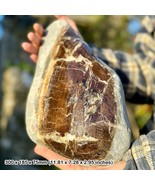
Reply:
x=69 y=21
x=60 y=16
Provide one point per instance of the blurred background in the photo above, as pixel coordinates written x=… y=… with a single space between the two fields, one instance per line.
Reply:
x=17 y=70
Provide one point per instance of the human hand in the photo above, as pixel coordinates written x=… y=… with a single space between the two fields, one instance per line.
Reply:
x=50 y=155
x=35 y=37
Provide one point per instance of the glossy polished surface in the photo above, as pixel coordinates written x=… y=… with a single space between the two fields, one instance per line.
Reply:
x=79 y=109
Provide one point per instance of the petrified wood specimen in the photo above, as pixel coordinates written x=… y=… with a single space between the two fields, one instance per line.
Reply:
x=76 y=103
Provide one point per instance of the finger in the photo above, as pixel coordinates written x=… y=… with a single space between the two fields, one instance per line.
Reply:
x=50 y=155
x=70 y=22
x=60 y=16
x=35 y=39
x=38 y=29
x=34 y=57
x=29 y=48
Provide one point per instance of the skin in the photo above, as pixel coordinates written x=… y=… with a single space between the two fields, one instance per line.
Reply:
x=32 y=48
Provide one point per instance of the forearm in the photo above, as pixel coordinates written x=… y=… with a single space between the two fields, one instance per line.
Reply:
x=137 y=71
x=135 y=78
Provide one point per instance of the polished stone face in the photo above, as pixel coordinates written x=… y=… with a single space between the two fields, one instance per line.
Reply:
x=77 y=102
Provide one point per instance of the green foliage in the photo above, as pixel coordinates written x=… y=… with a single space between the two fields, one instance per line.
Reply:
x=23 y=66
x=142 y=114
x=106 y=31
